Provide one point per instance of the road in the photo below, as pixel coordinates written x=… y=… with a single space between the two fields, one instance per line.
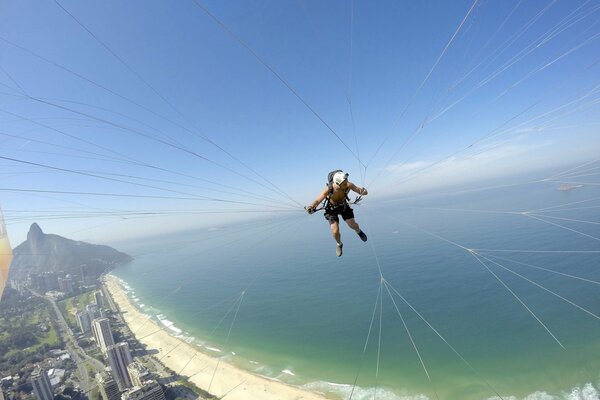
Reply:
x=78 y=356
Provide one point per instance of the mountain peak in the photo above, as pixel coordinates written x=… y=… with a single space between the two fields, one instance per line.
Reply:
x=35 y=233
x=43 y=252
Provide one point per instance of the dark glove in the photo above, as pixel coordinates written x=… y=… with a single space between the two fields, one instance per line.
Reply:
x=310 y=209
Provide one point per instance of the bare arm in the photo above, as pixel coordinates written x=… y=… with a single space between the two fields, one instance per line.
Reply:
x=320 y=198
x=359 y=190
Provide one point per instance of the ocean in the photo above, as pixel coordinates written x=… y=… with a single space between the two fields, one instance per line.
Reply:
x=452 y=297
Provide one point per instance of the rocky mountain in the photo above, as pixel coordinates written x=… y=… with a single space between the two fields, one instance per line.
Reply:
x=43 y=252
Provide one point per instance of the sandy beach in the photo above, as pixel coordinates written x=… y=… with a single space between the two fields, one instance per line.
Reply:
x=175 y=353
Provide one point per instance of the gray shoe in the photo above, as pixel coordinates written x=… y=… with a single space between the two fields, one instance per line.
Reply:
x=338 y=249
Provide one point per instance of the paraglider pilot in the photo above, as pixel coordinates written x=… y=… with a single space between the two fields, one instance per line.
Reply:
x=337 y=203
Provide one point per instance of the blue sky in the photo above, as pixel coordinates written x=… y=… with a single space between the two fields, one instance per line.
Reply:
x=172 y=105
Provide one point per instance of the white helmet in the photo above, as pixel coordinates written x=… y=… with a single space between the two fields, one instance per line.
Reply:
x=339 y=177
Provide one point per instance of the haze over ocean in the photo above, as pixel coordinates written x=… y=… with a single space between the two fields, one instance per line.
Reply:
x=302 y=315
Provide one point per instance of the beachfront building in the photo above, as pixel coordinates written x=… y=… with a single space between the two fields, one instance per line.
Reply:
x=119 y=358
x=83 y=321
x=102 y=333
x=98 y=298
x=108 y=387
x=150 y=390
x=41 y=385
x=138 y=373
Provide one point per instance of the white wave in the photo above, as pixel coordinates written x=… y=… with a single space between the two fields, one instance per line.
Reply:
x=539 y=396
x=264 y=371
x=169 y=324
x=175 y=329
x=233 y=353
x=124 y=284
x=142 y=305
x=254 y=362
x=343 y=391
x=188 y=339
x=587 y=392
x=288 y=372
x=213 y=349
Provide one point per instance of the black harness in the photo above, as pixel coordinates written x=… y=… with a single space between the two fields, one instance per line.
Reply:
x=329 y=206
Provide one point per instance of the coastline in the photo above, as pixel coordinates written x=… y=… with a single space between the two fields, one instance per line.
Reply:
x=176 y=354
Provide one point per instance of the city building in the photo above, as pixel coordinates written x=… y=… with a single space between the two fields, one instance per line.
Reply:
x=94 y=311
x=150 y=390
x=43 y=282
x=41 y=385
x=119 y=358
x=56 y=376
x=102 y=333
x=65 y=284
x=7 y=381
x=138 y=373
x=108 y=387
x=98 y=298
x=83 y=321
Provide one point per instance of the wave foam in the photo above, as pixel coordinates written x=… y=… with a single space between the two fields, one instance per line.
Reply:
x=587 y=392
x=344 y=390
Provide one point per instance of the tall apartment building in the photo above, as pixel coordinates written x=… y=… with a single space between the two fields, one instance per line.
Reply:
x=150 y=390
x=44 y=282
x=138 y=373
x=41 y=385
x=98 y=298
x=65 y=284
x=119 y=358
x=102 y=333
x=84 y=322
x=108 y=387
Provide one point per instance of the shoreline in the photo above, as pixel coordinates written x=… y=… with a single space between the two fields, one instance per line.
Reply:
x=199 y=368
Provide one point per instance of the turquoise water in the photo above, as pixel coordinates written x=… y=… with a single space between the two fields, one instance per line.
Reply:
x=302 y=315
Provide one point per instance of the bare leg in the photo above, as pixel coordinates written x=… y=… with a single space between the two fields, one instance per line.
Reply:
x=352 y=224
x=335 y=231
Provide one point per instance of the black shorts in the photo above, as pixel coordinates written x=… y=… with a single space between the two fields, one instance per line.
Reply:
x=331 y=213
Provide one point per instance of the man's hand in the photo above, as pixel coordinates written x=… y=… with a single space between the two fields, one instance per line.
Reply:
x=310 y=209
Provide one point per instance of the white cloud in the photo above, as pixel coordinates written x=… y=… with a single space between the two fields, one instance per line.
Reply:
x=486 y=162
